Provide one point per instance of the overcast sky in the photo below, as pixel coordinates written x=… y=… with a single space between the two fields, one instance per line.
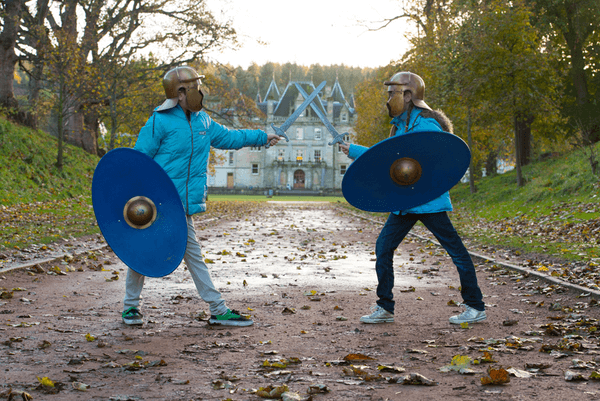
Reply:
x=308 y=32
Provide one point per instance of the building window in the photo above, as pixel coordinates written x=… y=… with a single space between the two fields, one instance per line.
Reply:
x=317 y=155
x=299 y=155
x=342 y=169
x=254 y=168
x=300 y=133
x=280 y=154
x=344 y=117
x=231 y=158
x=299 y=115
x=318 y=134
x=255 y=148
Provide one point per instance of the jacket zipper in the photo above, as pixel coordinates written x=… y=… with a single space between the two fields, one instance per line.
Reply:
x=187 y=201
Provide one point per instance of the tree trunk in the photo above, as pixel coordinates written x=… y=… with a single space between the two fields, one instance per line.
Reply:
x=8 y=58
x=60 y=125
x=73 y=125
x=41 y=45
x=82 y=128
x=491 y=163
x=90 y=131
x=34 y=92
x=472 y=186
x=523 y=128
x=575 y=41
x=517 y=153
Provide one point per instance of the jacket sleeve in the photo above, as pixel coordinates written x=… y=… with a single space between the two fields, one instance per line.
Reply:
x=150 y=137
x=356 y=151
x=224 y=138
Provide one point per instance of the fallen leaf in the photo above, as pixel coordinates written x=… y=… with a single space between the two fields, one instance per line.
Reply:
x=413 y=379
x=495 y=376
x=80 y=386
x=360 y=371
x=573 y=376
x=486 y=358
x=357 y=357
x=390 y=369
x=271 y=392
x=457 y=363
x=522 y=374
x=44 y=381
x=317 y=388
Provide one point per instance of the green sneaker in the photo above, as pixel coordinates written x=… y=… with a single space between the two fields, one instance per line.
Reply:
x=132 y=317
x=230 y=318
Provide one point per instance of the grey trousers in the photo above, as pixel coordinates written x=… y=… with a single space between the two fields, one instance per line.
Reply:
x=197 y=268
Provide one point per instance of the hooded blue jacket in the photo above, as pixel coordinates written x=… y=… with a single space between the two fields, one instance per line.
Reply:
x=182 y=148
x=417 y=123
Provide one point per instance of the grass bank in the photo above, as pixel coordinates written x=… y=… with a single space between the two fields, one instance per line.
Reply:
x=38 y=202
x=557 y=211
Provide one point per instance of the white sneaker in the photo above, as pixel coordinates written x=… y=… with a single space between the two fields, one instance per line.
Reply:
x=379 y=315
x=470 y=315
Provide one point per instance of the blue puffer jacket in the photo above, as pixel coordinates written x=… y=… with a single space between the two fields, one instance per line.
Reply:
x=182 y=148
x=417 y=123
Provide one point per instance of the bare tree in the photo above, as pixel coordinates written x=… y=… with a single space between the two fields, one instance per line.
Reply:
x=108 y=36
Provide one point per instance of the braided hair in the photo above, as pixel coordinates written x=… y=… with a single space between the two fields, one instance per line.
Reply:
x=410 y=108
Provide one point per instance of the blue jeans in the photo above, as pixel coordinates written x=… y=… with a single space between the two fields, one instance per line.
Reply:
x=392 y=234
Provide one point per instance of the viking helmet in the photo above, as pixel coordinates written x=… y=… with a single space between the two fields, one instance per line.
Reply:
x=182 y=77
x=410 y=82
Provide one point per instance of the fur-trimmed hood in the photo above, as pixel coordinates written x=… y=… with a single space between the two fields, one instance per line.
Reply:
x=440 y=117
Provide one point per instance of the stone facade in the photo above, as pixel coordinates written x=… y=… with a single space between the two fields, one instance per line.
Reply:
x=306 y=162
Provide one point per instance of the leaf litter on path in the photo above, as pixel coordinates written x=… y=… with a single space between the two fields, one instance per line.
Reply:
x=173 y=334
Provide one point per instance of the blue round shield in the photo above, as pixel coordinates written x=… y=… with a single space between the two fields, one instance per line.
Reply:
x=139 y=212
x=443 y=159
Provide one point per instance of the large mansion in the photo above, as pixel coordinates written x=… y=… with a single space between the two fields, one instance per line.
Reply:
x=306 y=162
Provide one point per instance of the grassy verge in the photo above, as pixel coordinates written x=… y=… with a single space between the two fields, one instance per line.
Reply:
x=39 y=203
x=28 y=173
x=556 y=213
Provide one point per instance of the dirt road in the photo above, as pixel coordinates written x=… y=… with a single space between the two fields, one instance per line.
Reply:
x=306 y=274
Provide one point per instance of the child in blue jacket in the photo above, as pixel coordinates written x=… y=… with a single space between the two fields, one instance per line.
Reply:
x=178 y=136
x=410 y=113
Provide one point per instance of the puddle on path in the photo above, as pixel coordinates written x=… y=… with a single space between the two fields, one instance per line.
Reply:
x=313 y=247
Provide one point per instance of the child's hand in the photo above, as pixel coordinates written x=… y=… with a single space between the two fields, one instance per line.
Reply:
x=272 y=139
x=345 y=148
